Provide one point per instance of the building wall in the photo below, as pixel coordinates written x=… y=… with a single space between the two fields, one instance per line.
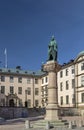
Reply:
x=68 y=96
x=24 y=84
x=64 y=90
x=44 y=90
x=79 y=77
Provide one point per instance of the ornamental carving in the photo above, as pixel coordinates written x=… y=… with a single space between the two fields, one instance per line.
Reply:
x=51 y=66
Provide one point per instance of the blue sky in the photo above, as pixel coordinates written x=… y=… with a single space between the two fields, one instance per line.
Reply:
x=26 y=28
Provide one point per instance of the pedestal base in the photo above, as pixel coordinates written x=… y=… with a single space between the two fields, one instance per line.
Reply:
x=52 y=112
x=52 y=124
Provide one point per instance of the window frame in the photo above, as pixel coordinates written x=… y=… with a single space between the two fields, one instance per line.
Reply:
x=11 y=79
x=82 y=66
x=29 y=91
x=37 y=91
x=11 y=89
x=20 y=79
x=20 y=90
x=82 y=80
x=2 y=89
x=67 y=85
x=67 y=99
x=2 y=78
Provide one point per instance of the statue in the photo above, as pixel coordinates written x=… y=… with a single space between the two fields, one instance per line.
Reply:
x=52 y=50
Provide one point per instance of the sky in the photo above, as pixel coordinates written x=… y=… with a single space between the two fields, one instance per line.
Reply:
x=26 y=28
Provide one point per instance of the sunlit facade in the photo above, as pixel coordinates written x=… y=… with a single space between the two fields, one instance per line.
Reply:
x=30 y=89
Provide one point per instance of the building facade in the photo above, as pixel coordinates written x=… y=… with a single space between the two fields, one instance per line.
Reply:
x=30 y=89
x=71 y=83
x=20 y=88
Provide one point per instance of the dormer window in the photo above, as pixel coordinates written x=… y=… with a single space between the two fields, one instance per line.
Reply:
x=19 y=79
x=11 y=79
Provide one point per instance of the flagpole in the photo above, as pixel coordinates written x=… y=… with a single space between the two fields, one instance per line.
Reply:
x=5 y=57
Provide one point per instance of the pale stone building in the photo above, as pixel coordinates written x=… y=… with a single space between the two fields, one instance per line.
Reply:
x=20 y=88
x=79 y=80
x=30 y=89
x=66 y=85
x=71 y=83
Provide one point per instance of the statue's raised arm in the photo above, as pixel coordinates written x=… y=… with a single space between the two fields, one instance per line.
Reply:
x=52 y=50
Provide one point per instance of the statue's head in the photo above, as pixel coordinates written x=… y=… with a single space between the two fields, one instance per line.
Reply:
x=52 y=39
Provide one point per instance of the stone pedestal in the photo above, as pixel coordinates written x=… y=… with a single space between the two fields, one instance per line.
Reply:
x=52 y=68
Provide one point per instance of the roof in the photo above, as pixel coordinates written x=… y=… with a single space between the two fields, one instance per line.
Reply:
x=20 y=71
x=71 y=62
x=79 y=55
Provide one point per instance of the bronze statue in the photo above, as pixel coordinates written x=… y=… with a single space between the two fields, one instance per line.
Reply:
x=52 y=50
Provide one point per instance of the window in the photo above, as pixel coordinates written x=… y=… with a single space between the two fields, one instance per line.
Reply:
x=67 y=85
x=2 y=78
x=46 y=79
x=20 y=102
x=46 y=89
x=73 y=98
x=11 y=90
x=42 y=80
x=82 y=80
x=36 y=81
x=36 y=103
x=19 y=79
x=67 y=99
x=11 y=79
x=45 y=93
x=3 y=89
x=29 y=103
x=36 y=91
x=66 y=72
x=61 y=86
x=28 y=80
x=82 y=66
x=73 y=83
x=82 y=97
x=73 y=70
x=19 y=90
x=61 y=74
x=61 y=100
x=29 y=91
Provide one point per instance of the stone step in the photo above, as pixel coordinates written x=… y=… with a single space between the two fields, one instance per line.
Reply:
x=42 y=123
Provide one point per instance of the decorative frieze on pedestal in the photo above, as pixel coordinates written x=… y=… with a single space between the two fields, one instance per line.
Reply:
x=51 y=66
